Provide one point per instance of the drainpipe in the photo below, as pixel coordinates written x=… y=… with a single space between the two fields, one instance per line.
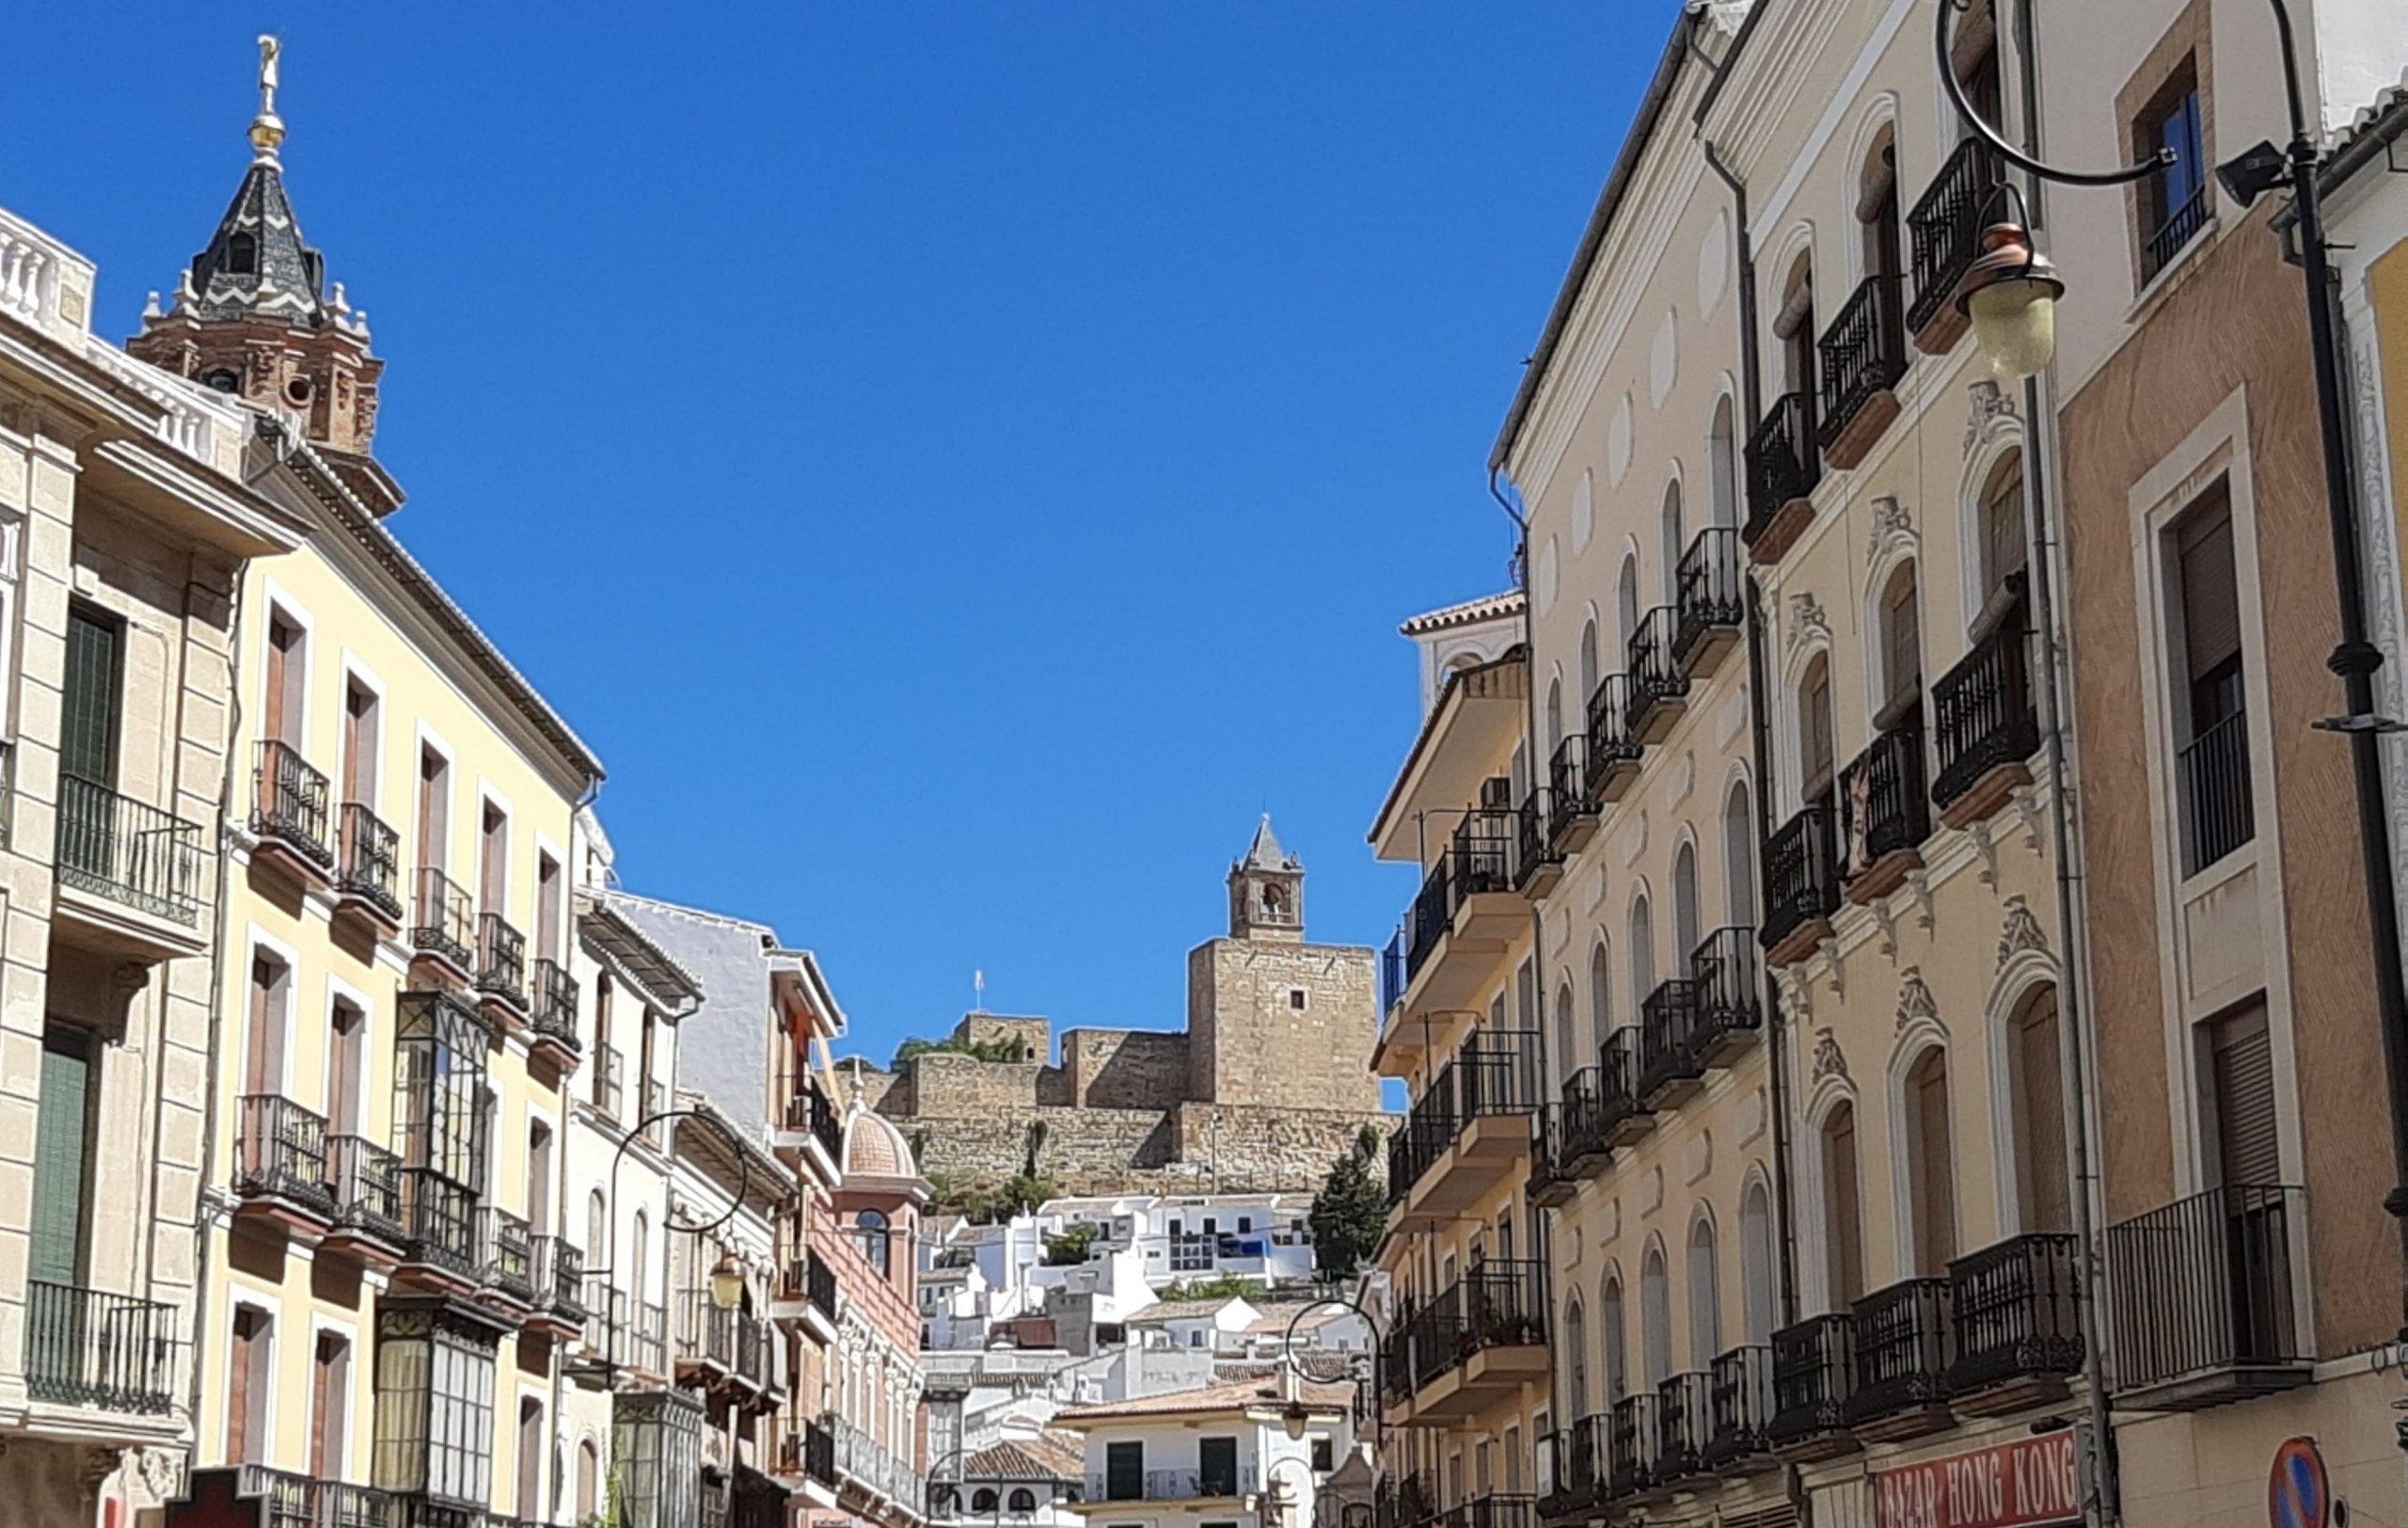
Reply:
x=2057 y=721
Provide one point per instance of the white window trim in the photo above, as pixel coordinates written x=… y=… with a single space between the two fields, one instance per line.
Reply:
x=355 y=672
x=259 y=941
x=341 y=1469
x=276 y=600
x=272 y=1307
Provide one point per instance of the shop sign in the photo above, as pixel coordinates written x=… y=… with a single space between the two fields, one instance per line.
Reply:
x=2025 y=1484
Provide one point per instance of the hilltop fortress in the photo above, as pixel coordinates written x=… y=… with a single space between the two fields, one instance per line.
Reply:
x=1267 y=1084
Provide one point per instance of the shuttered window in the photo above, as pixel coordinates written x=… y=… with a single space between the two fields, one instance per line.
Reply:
x=2041 y=1169
x=329 y=1384
x=1902 y=646
x=1124 y=1471
x=1815 y=731
x=286 y=666
x=2241 y=1066
x=89 y=720
x=1846 y=1221
x=2003 y=554
x=360 y=745
x=1216 y=1461
x=249 y=1382
x=2210 y=612
x=62 y=1158
x=1935 y=1168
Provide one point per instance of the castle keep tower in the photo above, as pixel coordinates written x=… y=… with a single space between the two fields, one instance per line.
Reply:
x=251 y=317
x=1273 y=1020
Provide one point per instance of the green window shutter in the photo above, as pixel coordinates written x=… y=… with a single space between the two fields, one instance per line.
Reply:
x=1218 y=1459
x=61 y=1181
x=1124 y=1467
x=87 y=731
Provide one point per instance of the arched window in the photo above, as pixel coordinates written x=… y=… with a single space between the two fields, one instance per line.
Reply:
x=1843 y=1216
x=1576 y=1352
x=1567 y=1045
x=983 y=1499
x=2000 y=540
x=2042 y=1178
x=1674 y=541
x=1705 y=1297
x=1722 y=464
x=1611 y=1329
x=1587 y=661
x=589 y=1480
x=1815 y=768
x=597 y=1229
x=1023 y=1501
x=870 y=1231
x=1794 y=326
x=1739 y=857
x=1601 y=999
x=1685 y=935
x=242 y=255
x=1626 y=602
x=1876 y=208
x=638 y=1277
x=1641 y=953
x=1931 y=1169
x=1756 y=1264
x=1554 y=717
x=1901 y=651
x=1654 y=1319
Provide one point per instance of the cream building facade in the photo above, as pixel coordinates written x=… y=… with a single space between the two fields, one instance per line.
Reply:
x=125 y=527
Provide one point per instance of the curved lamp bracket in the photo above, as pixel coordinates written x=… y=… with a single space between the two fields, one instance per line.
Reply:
x=1944 y=44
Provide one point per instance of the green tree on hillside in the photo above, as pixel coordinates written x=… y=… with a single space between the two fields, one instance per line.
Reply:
x=1351 y=1211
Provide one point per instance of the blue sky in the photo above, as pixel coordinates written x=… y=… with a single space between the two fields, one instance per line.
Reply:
x=959 y=463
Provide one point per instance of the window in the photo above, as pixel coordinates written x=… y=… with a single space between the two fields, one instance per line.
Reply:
x=286 y=666
x=1641 y=952
x=242 y=255
x=493 y=861
x=1566 y=1046
x=1554 y=717
x=441 y=1116
x=2001 y=544
x=1588 y=660
x=90 y=704
x=2241 y=1060
x=1931 y=1164
x=597 y=1229
x=656 y=1459
x=1217 y=1462
x=1124 y=1471
x=1324 y=1453
x=329 y=1398
x=435 y=1384
x=1296 y=999
x=589 y=1479
x=62 y=1184
x=1626 y=602
x=1877 y=210
x=1739 y=857
x=1705 y=1296
x=530 y=1457
x=1901 y=653
x=1976 y=60
x=639 y=1248
x=870 y=1234
x=1655 y=1318
x=1756 y=1264
x=1686 y=935
x=1670 y=537
x=1722 y=465
x=1794 y=326
x=433 y=810
x=1610 y=1330
x=1815 y=755
x=1841 y=1210
x=2213 y=729
x=269 y=998
x=1575 y=1357
x=250 y=1382
x=547 y=908
x=346 y=1068
x=1601 y=1008
x=2042 y=1175
x=539 y=1178
x=2173 y=199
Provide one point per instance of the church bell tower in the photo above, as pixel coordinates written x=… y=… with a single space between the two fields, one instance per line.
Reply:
x=1267 y=891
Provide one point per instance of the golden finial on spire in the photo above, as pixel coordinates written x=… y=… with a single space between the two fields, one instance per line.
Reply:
x=267 y=128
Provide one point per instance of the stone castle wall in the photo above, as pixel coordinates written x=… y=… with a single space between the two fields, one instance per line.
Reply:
x=1126 y=1069
x=1111 y=1151
x=1282 y=1026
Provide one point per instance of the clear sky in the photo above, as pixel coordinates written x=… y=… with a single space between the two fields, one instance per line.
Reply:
x=957 y=461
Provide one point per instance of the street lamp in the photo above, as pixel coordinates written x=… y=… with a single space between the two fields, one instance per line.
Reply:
x=2013 y=338
x=727 y=1282
x=2010 y=293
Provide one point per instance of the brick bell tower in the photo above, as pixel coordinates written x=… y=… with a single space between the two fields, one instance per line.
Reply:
x=251 y=317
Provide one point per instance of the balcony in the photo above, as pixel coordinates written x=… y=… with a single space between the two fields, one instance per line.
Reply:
x=120 y=855
x=1571 y=796
x=810 y=1453
x=290 y=1501
x=1614 y=753
x=1104 y=1486
x=1783 y=466
x=557 y=1272
x=1813 y=1365
x=501 y=967
x=1538 y=865
x=1483 y=1337
x=608 y=1084
x=281 y=1162
x=367 y=1182
x=1801 y=887
x=1622 y=1115
x=1392 y=973
x=289 y=812
x=807 y=1293
x=624 y=1332
x=553 y=1012
x=1684 y=1427
x=1632 y=1446
x=1553 y=1182
x=100 y=1351
x=1945 y=229
x=1902 y=1337
x=1468 y=1130
x=1739 y=1404
x=2175 y=234
x=1885 y=814
x=2206 y=1301
x=1728 y=997
x=1863 y=355
x=1712 y=602
x=2018 y=1314
x=2212 y=774
x=1984 y=728
x=1464 y=918
x=505 y=1256
x=810 y=1117
x=1659 y=686
x=1670 y=1073
x=1579 y=1475
x=368 y=871
x=863 y=1464
x=443 y=926
x=720 y=1346
x=438 y=1222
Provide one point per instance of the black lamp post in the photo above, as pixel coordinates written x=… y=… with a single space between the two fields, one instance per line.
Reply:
x=1297 y=1414
x=727 y=1278
x=2002 y=285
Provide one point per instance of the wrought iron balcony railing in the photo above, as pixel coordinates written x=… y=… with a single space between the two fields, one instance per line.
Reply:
x=1884 y=808
x=1657 y=680
x=370 y=861
x=290 y=1501
x=625 y=1331
x=1579 y=1467
x=557 y=1272
x=1535 y=850
x=2217 y=814
x=107 y=1352
x=1982 y=713
x=501 y=961
x=819 y=1284
x=1498 y=1304
x=1570 y=791
x=1713 y=597
x=1801 y=882
x=127 y=850
x=1724 y=977
x=1684 y=1426
x=1740 y=1403
x=2206 y=1285
x=809 y=1109
x=2017 y=1309
x=445 y=925
x=280 y=1152
x=1945 y=227
x=1783 y=462
x=1814 y=1368
x=367 y=1187
x=1864 y=354
x=862 y=1461
x=1170 y=1485
x=554 y=999
x=1622 y=1096
x=1667 y=1040
x=1611 y=744
x=289 y=802
x=1632 y=1444
x=2175 y=234
x=1496 y=1073
x=505 y=1252
x=438 y=1222
x=1392 y=973
x=1902 y=1349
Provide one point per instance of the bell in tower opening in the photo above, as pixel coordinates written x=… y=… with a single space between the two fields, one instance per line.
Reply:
x=1267 y=890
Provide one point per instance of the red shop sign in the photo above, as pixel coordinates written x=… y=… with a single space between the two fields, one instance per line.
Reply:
x=2019 y=1485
